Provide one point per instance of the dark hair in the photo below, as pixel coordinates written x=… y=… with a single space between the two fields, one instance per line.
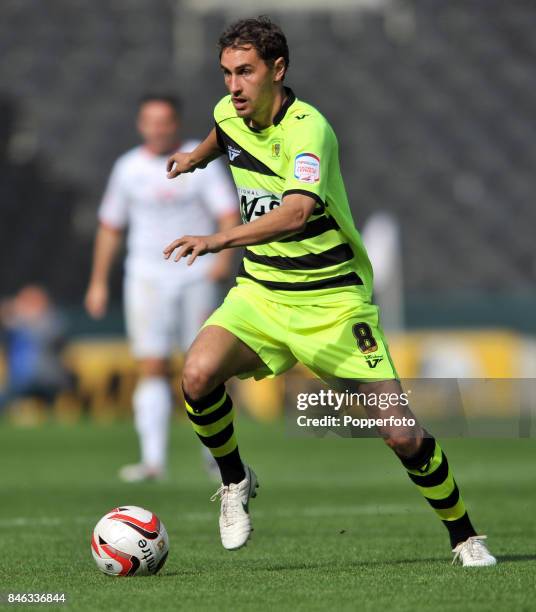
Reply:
x=170 y=99
x=262 y=34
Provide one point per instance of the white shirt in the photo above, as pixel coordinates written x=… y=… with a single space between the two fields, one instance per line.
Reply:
x=158 y=210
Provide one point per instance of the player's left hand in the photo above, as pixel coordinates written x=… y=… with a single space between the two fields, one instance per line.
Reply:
x=193 y=246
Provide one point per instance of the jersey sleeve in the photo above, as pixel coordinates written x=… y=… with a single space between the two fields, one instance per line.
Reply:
x=309 y=146
x=113 y=210
x=219 y=194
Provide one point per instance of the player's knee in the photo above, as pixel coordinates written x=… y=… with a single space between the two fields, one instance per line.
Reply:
x=197 y=378
x=402 y=444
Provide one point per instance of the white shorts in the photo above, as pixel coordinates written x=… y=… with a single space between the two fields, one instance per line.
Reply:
x=160 y=316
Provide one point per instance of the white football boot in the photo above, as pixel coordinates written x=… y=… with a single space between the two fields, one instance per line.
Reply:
x=473 y=553
x=235 y=523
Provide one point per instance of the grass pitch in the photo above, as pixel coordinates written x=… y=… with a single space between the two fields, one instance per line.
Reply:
x=337 y=524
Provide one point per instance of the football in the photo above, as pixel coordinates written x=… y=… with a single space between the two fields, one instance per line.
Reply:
x=130 y=541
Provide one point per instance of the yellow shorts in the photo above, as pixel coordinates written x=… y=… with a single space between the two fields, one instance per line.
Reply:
x=340 y=339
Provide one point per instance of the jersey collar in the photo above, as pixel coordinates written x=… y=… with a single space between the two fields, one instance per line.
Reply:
x=285 y=106
x=290 y=99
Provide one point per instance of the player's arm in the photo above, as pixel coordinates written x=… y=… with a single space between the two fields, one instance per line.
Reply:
x=107 y=243
x=287 y=219
x=113 y=218
x=221 y=269
x=203 y=154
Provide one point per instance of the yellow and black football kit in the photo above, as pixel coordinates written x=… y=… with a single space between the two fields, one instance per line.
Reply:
x=305 y=297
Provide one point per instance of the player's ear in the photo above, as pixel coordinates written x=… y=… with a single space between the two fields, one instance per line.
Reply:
x=280 y=68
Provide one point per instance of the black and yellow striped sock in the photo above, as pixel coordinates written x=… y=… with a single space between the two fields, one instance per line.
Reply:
x=212 y=419
x=429 y=470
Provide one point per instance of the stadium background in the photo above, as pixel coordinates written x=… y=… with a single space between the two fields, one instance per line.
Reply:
x=433 y=103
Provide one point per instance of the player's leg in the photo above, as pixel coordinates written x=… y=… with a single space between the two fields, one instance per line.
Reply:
x=198 y=300
x=349 y=345
x=427 y=467
x=149 y=311
x=153 y=404
x=215 y=356
x=239 y=339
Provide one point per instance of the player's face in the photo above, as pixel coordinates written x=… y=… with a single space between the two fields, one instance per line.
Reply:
x=158 y=125
x=250 y=81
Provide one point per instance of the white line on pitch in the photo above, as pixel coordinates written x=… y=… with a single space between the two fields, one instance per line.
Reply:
x=318 y=511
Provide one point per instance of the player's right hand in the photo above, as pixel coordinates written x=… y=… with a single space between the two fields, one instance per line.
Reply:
x=180 y=163
x=96 y=300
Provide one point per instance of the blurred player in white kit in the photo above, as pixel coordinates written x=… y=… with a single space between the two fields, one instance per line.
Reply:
x=165 y=305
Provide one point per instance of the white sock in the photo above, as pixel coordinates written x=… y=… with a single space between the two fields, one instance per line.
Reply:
x=152 y=408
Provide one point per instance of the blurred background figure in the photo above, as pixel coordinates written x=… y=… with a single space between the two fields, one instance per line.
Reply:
x=381 y=235
x=435 y=115
x=165 y=303
x=34 y=336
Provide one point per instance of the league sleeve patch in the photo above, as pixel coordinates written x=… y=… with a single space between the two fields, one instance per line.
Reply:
x=307 y=168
